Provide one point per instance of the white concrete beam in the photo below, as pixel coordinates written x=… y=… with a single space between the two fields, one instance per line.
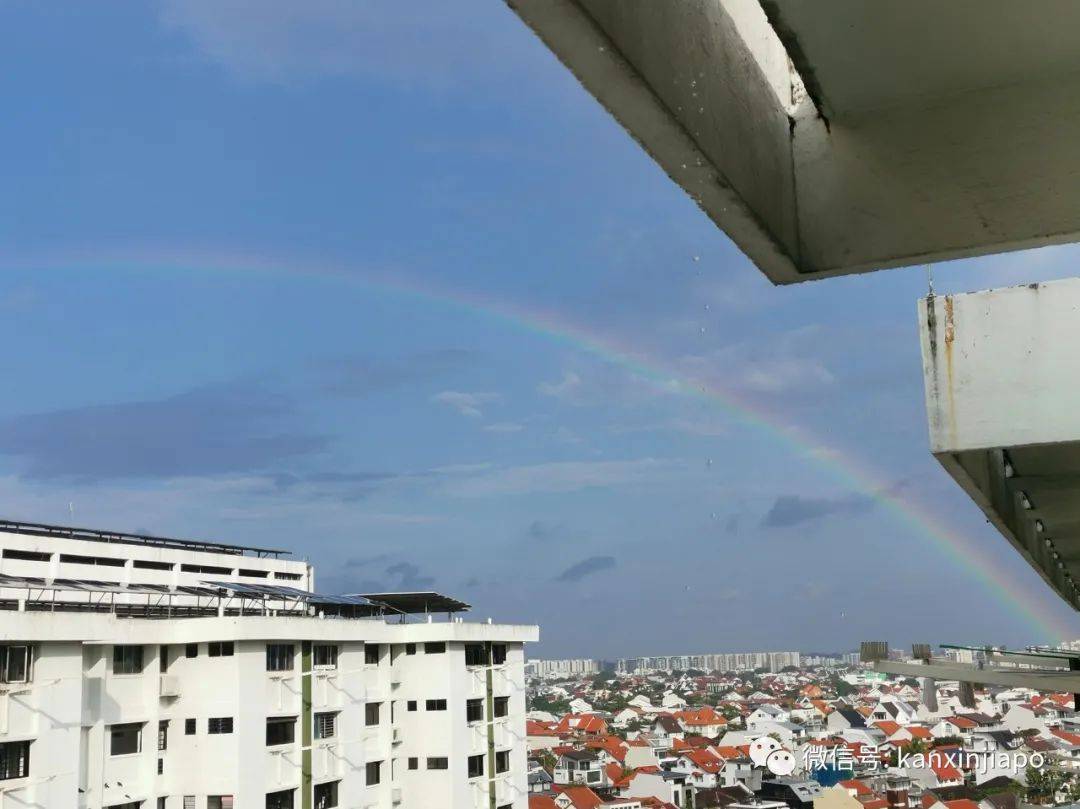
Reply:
x=946 y=129
x=1038 y=679
x=1002 y=375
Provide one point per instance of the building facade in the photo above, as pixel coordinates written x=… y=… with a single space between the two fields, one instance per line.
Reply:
x=138 y=672
x=721 y=661
x=552 y=669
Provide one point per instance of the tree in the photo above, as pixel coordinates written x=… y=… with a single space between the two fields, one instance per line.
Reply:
x=1043 y=784
x=843 y=688
x=603 y=678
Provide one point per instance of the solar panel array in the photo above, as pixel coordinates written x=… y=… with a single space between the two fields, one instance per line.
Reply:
x=406 y=603
x=290 y=593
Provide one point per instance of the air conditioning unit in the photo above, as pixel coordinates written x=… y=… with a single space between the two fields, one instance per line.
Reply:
x=396 y=735
x=170 y=686
x=395 y=795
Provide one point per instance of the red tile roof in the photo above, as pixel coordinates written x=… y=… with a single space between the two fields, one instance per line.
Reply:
x=857 y=785
x=582 y=797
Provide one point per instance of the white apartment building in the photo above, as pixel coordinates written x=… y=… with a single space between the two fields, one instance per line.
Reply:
x=722 y=661
x=139 y=672
x=551 y=669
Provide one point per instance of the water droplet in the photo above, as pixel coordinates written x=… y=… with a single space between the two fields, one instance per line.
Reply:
x=697 y=258
x=708 y=462
x=702 y=329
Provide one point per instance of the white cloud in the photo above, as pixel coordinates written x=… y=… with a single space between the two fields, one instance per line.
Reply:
x=558 y=477
x=784 y=363
x=567 y=388
x=467 y=404
x=504 y=427
x=606 y=384
x=426 y=42
x=780 y=374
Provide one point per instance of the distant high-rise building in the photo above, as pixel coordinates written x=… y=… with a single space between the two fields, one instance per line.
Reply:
x=723 y=661
x=550 y=669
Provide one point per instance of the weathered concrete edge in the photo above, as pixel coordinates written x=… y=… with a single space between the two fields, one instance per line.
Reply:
x=583 y=47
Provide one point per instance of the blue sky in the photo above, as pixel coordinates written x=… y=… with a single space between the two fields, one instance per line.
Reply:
x=235 y=240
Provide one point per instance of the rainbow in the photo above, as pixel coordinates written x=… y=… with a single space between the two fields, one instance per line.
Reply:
x=1048 y=625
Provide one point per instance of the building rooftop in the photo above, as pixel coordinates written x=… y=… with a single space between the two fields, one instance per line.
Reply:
x=146 y=540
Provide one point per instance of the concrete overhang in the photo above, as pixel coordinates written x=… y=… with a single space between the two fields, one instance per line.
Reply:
x=1002 y=374
x=828 y=137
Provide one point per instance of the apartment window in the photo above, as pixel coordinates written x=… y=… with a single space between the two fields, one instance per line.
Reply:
x=223 y=648
x=218 y=725
x=219 y=802
x=474 y=710
x=161 y=766
x=14 y=664
x=280 y=730
x=476 y=766
x=279 y=657
x=435 y=648
x=148 y=565
x=371 y=653
x=163 y=735
x=125 y=739
x=287 y=576
x=280 y=800
x=163 y=658
x=191 y=650
x=373 y=771
x=435 y=705
x=438 y=763
x=502 y=761
x=325 y=725
x=502 y=706
x=410 y=648
x=189 y=802
x=127 y=660
x=14 y=760
x=161 y=803
x=189 y=727
x=410 y=705
x=371 y=713
x=326 y=796
x=475 y=654
x=253 y=574
x=75 y=559
x=220 y=571
x=324 y=656
x=498 y=654
x=27 y=556
x=414 y=763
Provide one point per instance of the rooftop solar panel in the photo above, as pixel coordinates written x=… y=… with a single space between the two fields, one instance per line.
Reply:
x=420 y=602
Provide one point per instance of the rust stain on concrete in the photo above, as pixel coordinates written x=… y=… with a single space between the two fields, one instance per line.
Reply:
x=950 y=338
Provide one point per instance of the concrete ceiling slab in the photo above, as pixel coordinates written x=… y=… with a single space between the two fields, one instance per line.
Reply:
x=829 y=137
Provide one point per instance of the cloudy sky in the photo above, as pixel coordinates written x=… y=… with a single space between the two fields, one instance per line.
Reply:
x=381 y=283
